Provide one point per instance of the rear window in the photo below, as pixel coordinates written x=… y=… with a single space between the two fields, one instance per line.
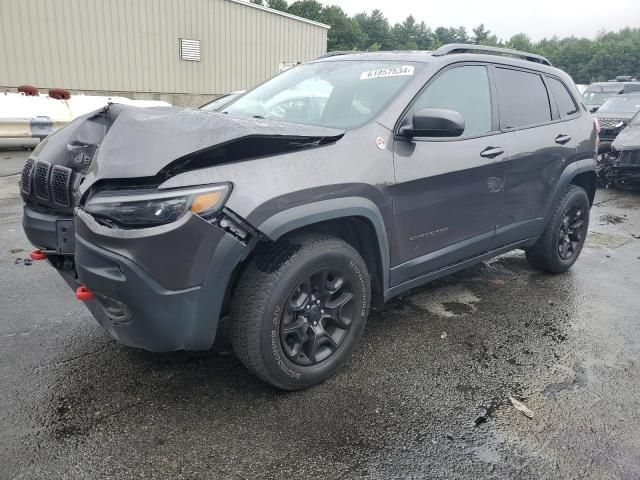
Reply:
x=563 y=98
x=522 y=97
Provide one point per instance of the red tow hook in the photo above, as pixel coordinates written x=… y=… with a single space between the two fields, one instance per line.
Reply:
x=84 y=294
x=38 y=255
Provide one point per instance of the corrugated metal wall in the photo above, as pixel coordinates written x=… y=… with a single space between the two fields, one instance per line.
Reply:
x=133 y=45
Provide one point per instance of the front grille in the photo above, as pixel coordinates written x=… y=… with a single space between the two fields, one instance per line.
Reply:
x=50 y=184
x=629 y=157
x=60 y=181
x=25 y=179
x=41 y=179
x=609 y=123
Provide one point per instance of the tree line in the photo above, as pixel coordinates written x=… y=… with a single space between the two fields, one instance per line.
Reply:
x=586 y=60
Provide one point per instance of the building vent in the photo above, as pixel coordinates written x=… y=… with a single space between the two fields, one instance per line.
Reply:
x=189 y=50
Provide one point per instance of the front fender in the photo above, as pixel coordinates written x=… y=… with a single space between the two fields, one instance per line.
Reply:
x=303 y=215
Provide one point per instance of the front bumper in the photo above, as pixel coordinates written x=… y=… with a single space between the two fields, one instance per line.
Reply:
x=612 y=171
x=161 y=289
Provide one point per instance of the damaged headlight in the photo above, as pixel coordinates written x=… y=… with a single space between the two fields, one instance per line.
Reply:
x=150 y=208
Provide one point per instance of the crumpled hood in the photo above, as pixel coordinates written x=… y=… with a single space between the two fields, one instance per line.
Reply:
x=122 y=141
x=628 y=139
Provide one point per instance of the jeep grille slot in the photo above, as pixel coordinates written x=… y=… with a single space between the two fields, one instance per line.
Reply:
x=41 y=179
x=25 y=179
x=60 y=181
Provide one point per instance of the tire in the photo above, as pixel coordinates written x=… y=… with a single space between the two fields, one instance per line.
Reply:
x=275 y=306
x=551 y=253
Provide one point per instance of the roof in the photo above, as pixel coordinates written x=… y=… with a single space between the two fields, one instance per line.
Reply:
x=426 y=56
x=278 y=12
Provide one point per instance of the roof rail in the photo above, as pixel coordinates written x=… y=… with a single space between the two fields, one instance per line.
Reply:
x=336 y=53
x=465 y=48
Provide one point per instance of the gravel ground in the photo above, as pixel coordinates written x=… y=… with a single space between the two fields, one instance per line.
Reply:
x=426 y=394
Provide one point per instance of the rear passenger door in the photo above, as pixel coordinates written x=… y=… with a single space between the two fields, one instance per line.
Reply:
x=541 y=140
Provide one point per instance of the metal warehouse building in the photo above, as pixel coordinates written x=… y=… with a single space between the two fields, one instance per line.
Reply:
x=181 y=51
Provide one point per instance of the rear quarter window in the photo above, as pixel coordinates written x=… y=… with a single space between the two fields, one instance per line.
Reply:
x=563 y=98
x=522 y=97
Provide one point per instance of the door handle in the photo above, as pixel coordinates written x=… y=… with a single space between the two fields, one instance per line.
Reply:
x=491 y=152
x=562 y=139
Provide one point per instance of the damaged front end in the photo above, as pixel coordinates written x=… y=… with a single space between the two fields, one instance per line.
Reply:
x=620 y=166
x=157 y=260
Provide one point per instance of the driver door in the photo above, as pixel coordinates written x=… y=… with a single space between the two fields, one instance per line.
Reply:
x=448 y=191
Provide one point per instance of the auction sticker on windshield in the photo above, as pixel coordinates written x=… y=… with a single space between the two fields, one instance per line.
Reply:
x=387 y=72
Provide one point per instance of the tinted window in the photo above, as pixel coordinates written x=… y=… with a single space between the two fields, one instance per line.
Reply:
x=465 y=90
x=563 y=98
x=523 y=98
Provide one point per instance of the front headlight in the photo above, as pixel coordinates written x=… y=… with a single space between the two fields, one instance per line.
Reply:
x=149 y=208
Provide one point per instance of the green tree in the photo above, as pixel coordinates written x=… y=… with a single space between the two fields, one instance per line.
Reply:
x=520 y=41
x=376 y=27
x=310 y=9
x=278 y=5
x=345 y=32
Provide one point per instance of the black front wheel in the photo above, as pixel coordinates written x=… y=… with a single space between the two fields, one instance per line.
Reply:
x=562 y=241
x=299 y=310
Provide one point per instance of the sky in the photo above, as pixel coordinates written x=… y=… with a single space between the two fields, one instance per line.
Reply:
x=537 y=18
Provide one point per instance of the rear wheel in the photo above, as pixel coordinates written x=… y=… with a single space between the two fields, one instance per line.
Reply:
x=562 y=241
x=299 y=310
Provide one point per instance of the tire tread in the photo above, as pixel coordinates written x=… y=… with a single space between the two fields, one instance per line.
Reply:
x=254 y=289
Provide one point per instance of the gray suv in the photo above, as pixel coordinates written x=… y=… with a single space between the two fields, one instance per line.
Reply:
x=312 y=198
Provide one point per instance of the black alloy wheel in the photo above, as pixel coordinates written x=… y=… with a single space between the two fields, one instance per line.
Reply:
x=571 y=232
x=563 y=238
x=317 y=316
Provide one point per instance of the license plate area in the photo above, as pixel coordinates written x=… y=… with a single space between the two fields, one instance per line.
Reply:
x=66 y=234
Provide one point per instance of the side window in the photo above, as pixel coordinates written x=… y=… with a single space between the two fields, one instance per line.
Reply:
x=522 y=97
x=465 y=90
x=563 y=98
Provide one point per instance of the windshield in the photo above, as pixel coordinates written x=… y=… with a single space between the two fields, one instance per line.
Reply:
x=635 y=120
x=621 y=104
x=338 y=94
x=597 y=98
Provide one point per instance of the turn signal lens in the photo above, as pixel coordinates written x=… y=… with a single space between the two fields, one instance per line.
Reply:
x=206 y=201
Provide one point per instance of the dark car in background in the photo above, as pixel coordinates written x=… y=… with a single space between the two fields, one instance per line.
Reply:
x=615 y=114
x=597 y=93
x=296 y=221
x=621 y=165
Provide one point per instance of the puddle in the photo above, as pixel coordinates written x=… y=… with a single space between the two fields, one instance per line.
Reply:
x=600 y=240
x=450 y=301
x=579 y=378
x=611 y=219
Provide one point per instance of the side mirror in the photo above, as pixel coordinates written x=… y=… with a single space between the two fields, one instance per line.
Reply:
x=433 y=122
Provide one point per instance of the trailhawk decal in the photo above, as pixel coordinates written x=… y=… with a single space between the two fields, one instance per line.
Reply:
x=388 y=72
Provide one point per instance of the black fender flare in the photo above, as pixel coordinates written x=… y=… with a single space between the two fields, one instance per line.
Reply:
x=566 y=177
x=300 y=216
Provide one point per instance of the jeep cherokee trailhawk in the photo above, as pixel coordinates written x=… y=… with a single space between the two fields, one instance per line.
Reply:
x=325 y=191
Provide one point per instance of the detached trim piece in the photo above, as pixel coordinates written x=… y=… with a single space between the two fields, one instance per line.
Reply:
x=283 y=14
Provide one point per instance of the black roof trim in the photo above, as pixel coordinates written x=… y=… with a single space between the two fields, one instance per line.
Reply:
x=337 y=53
x=470 y=48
